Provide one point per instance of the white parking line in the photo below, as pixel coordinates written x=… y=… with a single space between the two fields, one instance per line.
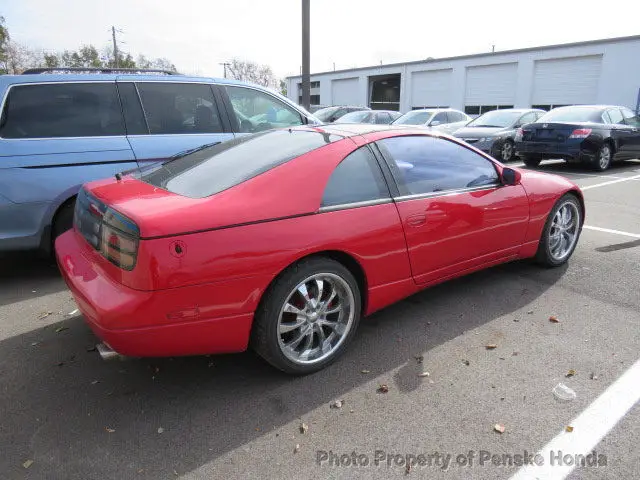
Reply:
x=589 y=428
x=608 y=230
x=611 y=182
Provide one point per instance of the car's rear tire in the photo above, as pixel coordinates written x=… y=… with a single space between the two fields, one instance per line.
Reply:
x=531 y=161
x=561 y=232
x=63 y=219
x=603 y=158
x=308 y=316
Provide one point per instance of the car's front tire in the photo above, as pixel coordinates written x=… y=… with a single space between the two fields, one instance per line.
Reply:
x=561 y=232
x=507 y=151
x=308 y=316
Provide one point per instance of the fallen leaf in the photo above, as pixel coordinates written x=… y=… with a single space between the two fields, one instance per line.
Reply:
x=61 y=329
x=383 y=388
x=27 y=464
x=303 y=428
x=35 y=344
x=95 y=381
x=530 y=312
x=351 y=411
x=466 y=362
x=569 y=428
x=141 y=470
x=44 y=315
x=553 y=319
x=297 y=448
x=419 y=358
x=491 y=346
x=570 y=373
x=337 y=404
x=407 y=469
x=423 y=374
x=365 y=371
x=593 y=376
x=514 y=354
x=499 y=428
x=109 y=430
x=160 y=430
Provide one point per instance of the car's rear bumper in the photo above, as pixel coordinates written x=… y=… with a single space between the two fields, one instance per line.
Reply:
x=173 y=324
x=569 y=152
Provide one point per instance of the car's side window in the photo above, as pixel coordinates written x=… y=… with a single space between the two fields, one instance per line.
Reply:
x=257 y=111
x=440 y=117
x=57 y=110
x=357 y=178
x=424 y=164
x=456 y=117
x=179 y=108
x=630 y=118
x=527 y=118
x=383 y=118
x=133 y=114
x=615 y=116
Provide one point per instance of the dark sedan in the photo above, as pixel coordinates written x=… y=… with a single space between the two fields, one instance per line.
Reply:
x=594 y=135
x=494 y=132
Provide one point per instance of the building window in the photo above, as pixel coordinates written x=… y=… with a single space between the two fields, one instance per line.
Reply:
x=313 y=85
x=429 y=106
x=313 y=99
x=547 y=107
x=480 y=109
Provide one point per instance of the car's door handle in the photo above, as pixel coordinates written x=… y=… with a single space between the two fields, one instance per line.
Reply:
x=416 y=220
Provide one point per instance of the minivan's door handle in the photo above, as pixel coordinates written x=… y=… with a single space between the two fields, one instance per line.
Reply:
x=416 y=220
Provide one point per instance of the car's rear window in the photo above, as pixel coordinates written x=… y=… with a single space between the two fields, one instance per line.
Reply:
x=575 y=114
x=222 y=166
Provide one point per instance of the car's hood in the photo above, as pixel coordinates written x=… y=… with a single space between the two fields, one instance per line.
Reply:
x=479 y=132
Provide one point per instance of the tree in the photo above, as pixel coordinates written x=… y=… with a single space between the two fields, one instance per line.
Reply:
x=252 y=72
x=283 y=87
x=158 y=63
x=4 y=41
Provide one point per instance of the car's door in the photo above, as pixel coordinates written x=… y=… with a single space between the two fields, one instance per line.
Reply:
x=623 y=134
x=165 y=118
x=456 y=212
x=55 y=136
x=633 y=121
x=252 y=110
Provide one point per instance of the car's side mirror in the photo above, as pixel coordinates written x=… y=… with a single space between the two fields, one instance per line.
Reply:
x=510 y=176
x=435 y=123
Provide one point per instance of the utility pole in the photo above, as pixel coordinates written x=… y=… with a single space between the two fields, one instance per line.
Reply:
x=306 y=69
x=225 y=65
x=115 y=46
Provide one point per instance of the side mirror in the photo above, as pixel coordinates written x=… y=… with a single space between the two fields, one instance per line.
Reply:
x=510 y=176
x=435 y=123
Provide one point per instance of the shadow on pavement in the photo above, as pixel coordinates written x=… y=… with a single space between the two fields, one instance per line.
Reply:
x=22 y=273
x=59 y=399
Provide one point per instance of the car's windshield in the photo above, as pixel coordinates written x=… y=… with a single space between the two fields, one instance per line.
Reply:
x=417 y=117
x=324 y=114
x=354 y=117
x=576 y=114
x=496 y=118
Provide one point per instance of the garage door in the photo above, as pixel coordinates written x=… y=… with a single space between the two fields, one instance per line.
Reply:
x=345 y=91
x=431 y=88
x=491 y=84
x=566 y=80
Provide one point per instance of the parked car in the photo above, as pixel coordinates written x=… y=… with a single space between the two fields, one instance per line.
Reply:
x=594 y=135
x=381 y=117
x=444 y=120
x=494 y=132
x=331 y=114
x=207 y=253
x=58 y=131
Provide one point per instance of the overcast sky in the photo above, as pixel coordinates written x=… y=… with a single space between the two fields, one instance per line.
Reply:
x=197 y=35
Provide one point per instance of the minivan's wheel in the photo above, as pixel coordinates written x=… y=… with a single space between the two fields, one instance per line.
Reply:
x=530 y=160
x=308 y=316
x=63 y=219
x=603 y=158
x=507 y=151
x=561 y=232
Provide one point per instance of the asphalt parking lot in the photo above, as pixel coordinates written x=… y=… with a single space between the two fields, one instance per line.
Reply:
x=66 y=414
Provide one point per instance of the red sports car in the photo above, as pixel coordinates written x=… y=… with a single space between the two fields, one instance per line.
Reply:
x=282 y=240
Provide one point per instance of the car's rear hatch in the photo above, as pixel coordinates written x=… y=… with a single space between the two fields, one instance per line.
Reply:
x=558 y=132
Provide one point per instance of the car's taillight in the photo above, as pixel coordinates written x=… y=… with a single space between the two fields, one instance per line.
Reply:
x=119 y=239
x=519 y=134
x=580 y=133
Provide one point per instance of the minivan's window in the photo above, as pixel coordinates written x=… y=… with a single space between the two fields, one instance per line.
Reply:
x=357 y=178
x=62 y=110
x=495 y=118
x=573 y=114
x=217 y=168
x=257 y=111
x=179 y=108
x=417 y=117
x=133 y=114
x=423 y=164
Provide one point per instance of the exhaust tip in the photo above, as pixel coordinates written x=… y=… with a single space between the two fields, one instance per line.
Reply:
x=106 y=352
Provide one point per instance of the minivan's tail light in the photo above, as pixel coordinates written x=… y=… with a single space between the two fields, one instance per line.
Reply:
x=112 y=234
x=580 y=133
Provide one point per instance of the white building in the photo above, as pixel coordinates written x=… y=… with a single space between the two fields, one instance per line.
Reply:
x=598 y=71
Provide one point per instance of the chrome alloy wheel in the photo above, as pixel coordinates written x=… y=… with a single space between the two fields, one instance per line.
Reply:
x=564 y=231
x=605 y=157
x=316 y=318
x=507 y=151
